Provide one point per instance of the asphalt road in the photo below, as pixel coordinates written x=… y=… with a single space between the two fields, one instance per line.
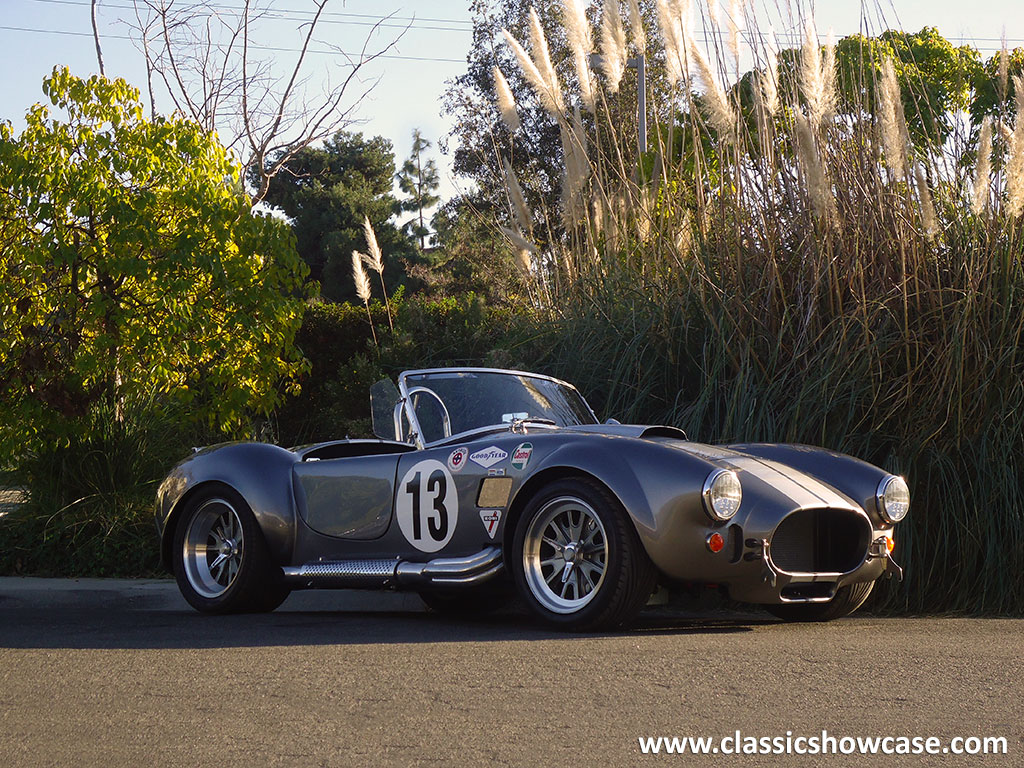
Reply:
x=125 y=674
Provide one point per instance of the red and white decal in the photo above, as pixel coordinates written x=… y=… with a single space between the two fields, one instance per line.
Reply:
x=490 y=519
x=457 y=460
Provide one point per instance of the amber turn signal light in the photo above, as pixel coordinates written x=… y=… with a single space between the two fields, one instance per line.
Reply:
x=716 y=543
x=890 y=544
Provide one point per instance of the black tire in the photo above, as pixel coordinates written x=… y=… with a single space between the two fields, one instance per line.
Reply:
x=466 y=601
x=252 y=583
x=624 y=581
x=847 y=600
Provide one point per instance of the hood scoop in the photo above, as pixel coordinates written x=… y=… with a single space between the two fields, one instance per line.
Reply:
x=632 y=430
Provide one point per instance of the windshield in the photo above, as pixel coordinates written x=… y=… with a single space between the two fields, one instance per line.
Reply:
x=469 y=400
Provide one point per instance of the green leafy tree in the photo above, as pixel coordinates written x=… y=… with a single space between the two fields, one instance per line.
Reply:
x=419 y=180
x=132 y=268
x=327 y=192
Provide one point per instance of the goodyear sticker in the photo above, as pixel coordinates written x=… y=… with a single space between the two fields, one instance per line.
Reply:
x=521 y=455
x=488 y=457
x=490 y=518
x=457 y=460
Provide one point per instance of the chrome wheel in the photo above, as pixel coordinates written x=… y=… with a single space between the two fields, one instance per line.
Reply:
x=565 y=554
x=213 y=548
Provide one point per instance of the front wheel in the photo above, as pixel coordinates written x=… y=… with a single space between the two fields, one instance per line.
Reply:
x=221 y=562
x=577 y=560
x=847 y=600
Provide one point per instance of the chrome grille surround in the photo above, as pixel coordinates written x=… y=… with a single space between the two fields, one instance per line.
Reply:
x=821 y=540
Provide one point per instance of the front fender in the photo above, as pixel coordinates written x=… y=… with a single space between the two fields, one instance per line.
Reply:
x=259 y=472
x=659 y=486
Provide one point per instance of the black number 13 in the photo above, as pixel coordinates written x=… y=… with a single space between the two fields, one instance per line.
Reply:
x=437 y=524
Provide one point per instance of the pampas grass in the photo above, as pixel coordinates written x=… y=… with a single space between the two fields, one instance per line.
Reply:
x=893 y=123
x=720 y=111
x=542 y=60
x=983 y=169
x=581 y=43
x=362 y=283
x=813 y=281
x=929 y=221
x=613 y=44
x=674 y=40
x=1015 y=155
x=515 y=192
x=636 y=26
x=375 y=261
x=506 y=101
x=818 y=188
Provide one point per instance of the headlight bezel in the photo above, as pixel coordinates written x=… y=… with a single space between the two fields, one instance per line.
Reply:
x=880 y=499
x=708 y=492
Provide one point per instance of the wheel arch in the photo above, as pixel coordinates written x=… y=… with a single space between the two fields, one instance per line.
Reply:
x=533 y=485
x=167 y=538
x=259 y=473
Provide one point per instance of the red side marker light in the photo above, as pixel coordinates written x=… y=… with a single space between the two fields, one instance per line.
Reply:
x=715 y=542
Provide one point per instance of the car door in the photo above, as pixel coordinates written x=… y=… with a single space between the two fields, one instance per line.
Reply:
x=347 y=498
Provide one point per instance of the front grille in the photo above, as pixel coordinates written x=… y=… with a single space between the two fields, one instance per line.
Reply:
x=820 y=541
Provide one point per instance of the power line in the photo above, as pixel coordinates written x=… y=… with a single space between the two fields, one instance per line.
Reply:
x=254 y=47
x=282 y=14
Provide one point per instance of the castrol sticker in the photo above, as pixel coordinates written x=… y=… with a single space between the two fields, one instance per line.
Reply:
x=521 y=455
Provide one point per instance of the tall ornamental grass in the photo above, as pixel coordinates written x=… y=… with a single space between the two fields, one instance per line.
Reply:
x=787 y=264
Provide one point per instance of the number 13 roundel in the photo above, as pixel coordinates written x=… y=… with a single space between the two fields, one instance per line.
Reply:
x=427 y=506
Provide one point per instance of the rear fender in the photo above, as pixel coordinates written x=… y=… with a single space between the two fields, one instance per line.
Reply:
x=259 y=472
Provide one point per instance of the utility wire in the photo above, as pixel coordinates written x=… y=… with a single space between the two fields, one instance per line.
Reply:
x=282 y=14
x=254 y=47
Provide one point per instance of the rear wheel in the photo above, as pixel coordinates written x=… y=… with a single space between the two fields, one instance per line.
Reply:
x=847 y=600
x=221 y=562
x=577 y=560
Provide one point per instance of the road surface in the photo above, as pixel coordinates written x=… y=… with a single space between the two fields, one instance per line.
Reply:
x=123 y=673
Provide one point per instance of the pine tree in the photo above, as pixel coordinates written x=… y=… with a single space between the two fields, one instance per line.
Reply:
x=419 y=180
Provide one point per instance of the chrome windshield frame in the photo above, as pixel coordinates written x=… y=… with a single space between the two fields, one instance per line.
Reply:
x=414 y=425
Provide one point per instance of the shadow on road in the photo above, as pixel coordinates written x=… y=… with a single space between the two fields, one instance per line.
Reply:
x=109 y=620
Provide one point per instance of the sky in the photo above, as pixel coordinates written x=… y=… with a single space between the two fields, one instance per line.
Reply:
x=433 y=38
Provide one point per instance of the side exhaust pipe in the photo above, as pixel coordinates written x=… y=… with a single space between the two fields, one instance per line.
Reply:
x=396 y=574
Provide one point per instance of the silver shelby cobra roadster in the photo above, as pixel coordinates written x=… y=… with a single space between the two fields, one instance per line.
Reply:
x=486 y=479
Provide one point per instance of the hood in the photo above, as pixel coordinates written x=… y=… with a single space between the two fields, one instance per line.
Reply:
x=802 y=489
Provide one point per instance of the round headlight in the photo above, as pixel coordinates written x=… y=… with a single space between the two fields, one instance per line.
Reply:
x=722 y=494
x=893 y=497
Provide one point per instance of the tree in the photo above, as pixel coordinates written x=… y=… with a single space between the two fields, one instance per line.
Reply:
x=327 y=192
x=419 y=180
x=534 y=152
x=132 y=267
x=206 y=57
x=472 y=256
